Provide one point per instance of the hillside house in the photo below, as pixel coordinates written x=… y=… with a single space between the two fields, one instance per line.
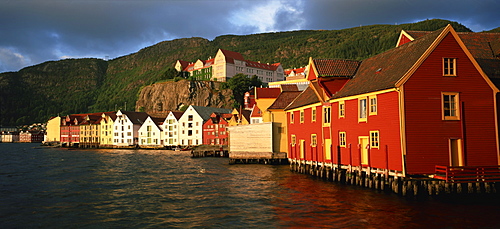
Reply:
x=226 y=64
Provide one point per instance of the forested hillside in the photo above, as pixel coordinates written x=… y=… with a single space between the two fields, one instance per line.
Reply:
x=92 y=85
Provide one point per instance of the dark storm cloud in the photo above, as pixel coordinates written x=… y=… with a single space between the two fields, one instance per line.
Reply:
x=34 y=31
x=338 y=14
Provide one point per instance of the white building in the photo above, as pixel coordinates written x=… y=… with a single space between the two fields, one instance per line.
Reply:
x=191 y=123
x=170 y=126
x=150 y=133
x=126 y=127
x=226 y=64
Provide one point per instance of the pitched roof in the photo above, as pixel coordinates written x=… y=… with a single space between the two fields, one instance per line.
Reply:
x=230 y=55
x=289 y=87
x=305 y=98
x=177 y=114
x=484 y=47
x=284 y=99
x=136 y=117
x=267 y=93
x=336 y=67
x=205 y=112
x=384 y=70
x=256 y=113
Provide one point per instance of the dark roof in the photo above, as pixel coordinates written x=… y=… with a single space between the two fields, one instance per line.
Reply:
x=384 y=70
x=284 y=99
x=484 y=47
x=267 y=93
x=289 y=87
x=205 y=112
x=336 y=67
x=177 y=114
x=136 y=117
x=306 y=97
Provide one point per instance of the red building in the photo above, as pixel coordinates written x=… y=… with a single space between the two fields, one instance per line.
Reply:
x=215 y=129
x=429 y=102
x=70 y=130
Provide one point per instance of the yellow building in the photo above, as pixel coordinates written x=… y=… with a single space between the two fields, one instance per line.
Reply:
x=272 y=110
x=89 y=131
x=107 y=122
x=239 y=117
x=54 y=130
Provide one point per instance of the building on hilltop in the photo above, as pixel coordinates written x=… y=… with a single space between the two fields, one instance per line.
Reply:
x=226 y=64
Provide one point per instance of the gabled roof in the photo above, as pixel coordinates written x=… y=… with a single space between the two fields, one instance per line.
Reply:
x=484 y=47
x=267 y=93
x=284 y=99
x=336 y=67
x=136 y=117
x=177 y=114
x=289 y=87
x=205 y=112
x=256 y=112
x=305 y=98
x=383 y=71
x=230 y=55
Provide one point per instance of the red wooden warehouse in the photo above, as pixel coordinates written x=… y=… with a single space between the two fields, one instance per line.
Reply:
x=431 y=101
x=215 y=129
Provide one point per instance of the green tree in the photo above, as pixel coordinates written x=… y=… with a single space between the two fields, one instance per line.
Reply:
x=240 y=84
x=255 y=81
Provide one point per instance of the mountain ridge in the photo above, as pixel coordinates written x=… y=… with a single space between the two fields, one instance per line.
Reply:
x=35 y=93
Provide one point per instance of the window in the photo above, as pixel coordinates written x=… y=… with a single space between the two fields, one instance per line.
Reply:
x=341 y=109
x=291 y=117
x=326 y=114
x=362 y=110
x=301 y=116
x=190 y=117
x=313 y=114
x=314 y=140
x=450 y=106
x=373 y=105
x=374 y=139
x=342 y=140
x=294 y=140
x=449 y=66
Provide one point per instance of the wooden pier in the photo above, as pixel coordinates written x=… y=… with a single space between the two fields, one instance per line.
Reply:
x=258 y=158
x=391 y=181
x=209 y=151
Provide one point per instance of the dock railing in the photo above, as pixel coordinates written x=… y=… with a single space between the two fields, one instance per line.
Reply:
x=468 y=174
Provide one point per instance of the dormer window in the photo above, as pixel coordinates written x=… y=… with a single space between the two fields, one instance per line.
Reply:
x=449 y=67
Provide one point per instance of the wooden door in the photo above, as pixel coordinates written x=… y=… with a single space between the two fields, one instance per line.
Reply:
x=328 y=149
x=363 y=145
x=302 y=148
x=456 y=153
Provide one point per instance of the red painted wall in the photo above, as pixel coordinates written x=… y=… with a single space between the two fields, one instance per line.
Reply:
x=386 y=121
x=303 y=131
x=427 y=135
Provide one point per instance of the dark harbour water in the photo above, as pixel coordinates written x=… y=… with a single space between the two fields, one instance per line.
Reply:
x=60 y=188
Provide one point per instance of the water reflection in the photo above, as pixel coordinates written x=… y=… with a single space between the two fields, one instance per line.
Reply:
x=164 y=189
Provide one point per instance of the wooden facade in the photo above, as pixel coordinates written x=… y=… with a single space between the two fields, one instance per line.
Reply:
x=405 y=112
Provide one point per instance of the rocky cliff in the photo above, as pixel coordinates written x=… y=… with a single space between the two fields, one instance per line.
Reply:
x=160 y=98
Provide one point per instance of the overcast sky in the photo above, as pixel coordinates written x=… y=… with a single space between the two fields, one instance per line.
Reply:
x=35 y=31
